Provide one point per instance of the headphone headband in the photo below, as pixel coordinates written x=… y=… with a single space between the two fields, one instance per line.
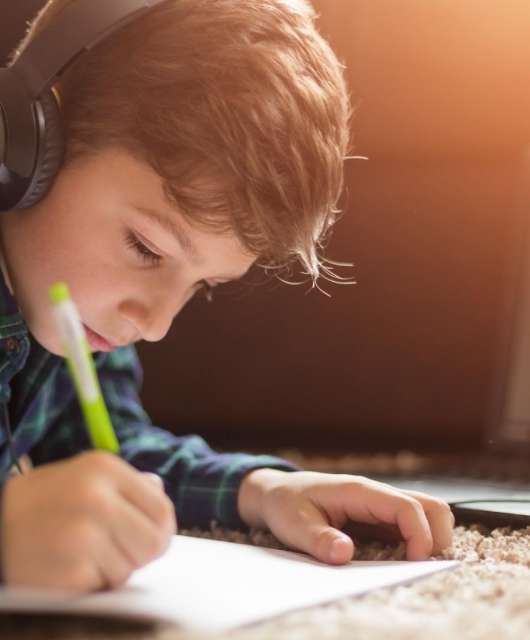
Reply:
x=31 y=143
x=77 y=28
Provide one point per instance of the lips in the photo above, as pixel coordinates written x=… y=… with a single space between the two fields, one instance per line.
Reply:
x=97 y=342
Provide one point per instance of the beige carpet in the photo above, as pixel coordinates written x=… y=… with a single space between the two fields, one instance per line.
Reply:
x=488 y=597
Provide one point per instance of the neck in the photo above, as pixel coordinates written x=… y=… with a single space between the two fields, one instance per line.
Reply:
x=3 y=265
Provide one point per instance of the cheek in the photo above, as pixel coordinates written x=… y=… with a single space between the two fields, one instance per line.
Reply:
x=95 y=270
x=94 y=281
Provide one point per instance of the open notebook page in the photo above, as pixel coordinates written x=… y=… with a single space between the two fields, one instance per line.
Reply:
x=211 y=586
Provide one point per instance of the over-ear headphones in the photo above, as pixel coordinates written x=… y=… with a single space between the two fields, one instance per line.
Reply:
x=31 y=137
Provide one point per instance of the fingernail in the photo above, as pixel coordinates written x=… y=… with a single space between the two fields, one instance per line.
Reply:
x=336 y=550
x=152 y=477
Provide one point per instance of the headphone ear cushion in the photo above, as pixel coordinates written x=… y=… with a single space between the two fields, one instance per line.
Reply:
x=51 y=149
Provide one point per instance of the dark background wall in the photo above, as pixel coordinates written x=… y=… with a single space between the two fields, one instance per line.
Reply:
x=407 y=357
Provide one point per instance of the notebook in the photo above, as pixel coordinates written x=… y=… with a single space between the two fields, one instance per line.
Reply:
x=212 y=586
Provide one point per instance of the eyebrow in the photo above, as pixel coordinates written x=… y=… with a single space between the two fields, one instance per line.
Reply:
x=174 y=229
x=180 y=236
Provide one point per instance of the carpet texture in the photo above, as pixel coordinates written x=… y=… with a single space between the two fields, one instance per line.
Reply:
x=486 y=598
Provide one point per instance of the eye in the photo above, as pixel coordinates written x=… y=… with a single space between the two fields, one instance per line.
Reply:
x=132 y=241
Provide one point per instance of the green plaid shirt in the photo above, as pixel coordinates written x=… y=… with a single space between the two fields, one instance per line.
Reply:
x=47 y=425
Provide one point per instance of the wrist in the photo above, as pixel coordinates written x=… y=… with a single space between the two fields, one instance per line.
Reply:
x=251 y=492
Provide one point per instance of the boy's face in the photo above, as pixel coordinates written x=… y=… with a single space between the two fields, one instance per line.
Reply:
x=90 y=232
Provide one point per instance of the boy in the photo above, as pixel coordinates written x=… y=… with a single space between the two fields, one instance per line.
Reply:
x=200 y=139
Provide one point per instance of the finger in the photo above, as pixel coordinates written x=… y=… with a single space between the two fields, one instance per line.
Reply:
x=383 y=503
x=441 y=520
x=100 y=564
x=307 y=529
x=138 y=488
x=150 y=500
x=415 y=529
x=138 y=538
x=114 y=565
x=154 y=478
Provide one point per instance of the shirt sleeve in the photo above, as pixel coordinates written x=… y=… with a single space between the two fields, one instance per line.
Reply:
x=203 y=484
x=1 y=524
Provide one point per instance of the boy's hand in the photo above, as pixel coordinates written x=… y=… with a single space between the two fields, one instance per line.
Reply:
x=305 y=510
x=83 y=524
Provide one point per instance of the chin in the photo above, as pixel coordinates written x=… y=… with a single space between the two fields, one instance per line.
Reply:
x=50 y=343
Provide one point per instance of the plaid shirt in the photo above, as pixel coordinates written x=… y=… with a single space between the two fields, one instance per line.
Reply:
x=47 y=425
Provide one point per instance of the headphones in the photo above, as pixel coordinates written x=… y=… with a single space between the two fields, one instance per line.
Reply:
x=31 y=136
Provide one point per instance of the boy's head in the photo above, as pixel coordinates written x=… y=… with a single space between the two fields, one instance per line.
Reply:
x=228 y=118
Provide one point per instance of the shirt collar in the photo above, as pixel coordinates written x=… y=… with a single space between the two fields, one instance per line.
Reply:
x=11 y=320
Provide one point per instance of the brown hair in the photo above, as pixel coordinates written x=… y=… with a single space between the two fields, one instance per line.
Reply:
x=239 y=105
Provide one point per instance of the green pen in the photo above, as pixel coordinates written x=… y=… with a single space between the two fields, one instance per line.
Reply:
x=82 y=369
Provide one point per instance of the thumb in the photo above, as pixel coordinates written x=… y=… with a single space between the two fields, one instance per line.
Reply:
x=313 y=534
x=332 y=546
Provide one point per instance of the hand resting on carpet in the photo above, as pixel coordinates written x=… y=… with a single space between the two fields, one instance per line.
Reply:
x=306 y=511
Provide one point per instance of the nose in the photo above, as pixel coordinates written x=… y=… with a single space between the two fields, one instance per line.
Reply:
x=152 y=317
x=154 y=327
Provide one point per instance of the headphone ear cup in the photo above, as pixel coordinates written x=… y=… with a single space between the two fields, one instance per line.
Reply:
x=51 y=149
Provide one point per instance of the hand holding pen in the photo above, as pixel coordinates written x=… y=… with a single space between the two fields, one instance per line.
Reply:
x=85 y=523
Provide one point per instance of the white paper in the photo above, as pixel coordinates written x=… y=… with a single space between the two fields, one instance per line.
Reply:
x=211 y=586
